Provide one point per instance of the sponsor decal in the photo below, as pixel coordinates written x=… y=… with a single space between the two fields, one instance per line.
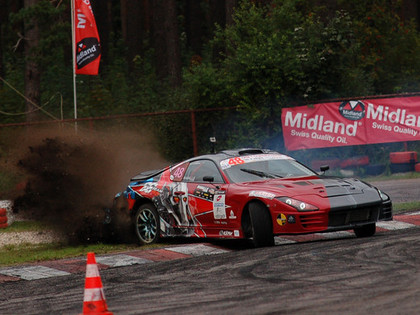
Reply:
x=281 y=219
x=149 y=187
x=225 y=233
x=261 y=194
x=236 y=233
x=251 y=158
x=204 y=192
x=232 y=215
x=291 y=219
x=219 y=207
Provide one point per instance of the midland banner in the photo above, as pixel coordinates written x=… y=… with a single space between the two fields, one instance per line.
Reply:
x=352 y=122
x=88 y=50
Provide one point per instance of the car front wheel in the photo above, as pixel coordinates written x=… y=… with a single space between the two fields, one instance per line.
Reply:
x=365 y=230
x=146 y=224
x=261 y=225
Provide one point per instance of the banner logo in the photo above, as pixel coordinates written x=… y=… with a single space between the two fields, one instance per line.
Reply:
x=87 y=51
x=352 y=110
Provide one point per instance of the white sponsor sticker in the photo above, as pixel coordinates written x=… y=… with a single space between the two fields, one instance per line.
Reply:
x=219 y=208
x=252 y=158
x=261 y=194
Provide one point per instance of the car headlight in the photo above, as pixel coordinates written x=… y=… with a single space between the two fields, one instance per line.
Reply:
x=383 y=195
x=298 y=204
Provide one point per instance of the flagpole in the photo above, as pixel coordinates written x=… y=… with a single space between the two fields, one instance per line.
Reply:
x=73 y=46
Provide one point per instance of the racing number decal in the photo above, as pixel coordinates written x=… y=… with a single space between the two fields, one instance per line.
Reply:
x=219 y=209
x=235 y=161
x=178 y=172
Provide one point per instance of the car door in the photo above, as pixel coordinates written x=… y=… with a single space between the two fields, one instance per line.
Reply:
x=206 y=193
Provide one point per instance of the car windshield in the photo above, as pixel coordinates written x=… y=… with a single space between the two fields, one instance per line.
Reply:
x=248 y=170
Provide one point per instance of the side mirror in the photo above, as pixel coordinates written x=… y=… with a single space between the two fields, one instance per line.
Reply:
x=209 y=179
x=324 y=168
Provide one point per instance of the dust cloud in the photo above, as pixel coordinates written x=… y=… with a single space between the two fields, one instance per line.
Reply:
x=72 y=175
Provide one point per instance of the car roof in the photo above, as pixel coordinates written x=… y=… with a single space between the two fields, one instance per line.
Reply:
x=225 y=154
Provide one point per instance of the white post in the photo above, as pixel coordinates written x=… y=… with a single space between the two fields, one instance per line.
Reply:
x=73 y=46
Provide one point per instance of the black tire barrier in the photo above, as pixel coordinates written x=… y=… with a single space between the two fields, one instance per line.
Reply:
x=402 y=167
x=375 y=169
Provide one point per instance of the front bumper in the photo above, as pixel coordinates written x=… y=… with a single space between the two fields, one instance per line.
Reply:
x=333 y=220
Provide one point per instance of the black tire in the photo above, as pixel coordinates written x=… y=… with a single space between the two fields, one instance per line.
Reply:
x=146 y=224
x=365 y=230
x=261 y=225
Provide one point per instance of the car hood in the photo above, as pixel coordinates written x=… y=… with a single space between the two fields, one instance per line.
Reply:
x=326 y=187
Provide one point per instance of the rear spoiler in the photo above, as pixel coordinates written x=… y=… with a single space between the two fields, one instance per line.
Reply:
x=147 y=175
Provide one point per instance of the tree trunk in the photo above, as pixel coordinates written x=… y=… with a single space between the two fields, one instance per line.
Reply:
x=166 y=41
x=195 y=26
x=229 y=9
x=133 y=26
x=3 y=21
x=32 y=71
x=217 y=13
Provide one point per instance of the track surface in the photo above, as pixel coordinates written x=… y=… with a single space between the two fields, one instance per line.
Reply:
x=344 y=274
x=332 y=273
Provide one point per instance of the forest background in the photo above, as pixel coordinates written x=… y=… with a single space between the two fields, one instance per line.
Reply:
x=168 y=55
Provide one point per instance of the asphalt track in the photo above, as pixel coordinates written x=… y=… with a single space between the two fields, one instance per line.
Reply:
x=332 y=273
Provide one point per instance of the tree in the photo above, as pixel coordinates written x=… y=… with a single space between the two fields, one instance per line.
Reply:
x=32 y=71
x=3 y=21
x=195 y=26
x=166 y=41
x=134 y=27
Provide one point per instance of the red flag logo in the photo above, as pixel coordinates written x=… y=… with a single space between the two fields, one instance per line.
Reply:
x=88 y=48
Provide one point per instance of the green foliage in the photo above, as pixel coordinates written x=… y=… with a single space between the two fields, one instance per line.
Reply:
x=291 y=53
x=287 y=53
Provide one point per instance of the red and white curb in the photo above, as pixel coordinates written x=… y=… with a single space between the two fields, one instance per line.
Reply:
x=77 y=265
x=66 y=267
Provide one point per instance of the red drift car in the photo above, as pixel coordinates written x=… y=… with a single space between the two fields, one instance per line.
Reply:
x=250 y=193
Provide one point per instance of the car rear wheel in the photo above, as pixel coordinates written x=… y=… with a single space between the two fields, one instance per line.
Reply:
x=261 y=225
x=365 y=230
x=146 y=224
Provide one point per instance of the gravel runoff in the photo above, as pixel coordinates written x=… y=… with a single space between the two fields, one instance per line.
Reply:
x=25 y=237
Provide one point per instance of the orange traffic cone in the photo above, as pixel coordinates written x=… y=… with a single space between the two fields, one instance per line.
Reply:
x=94 y=299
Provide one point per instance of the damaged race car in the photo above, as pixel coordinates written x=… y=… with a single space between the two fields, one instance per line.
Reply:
x=252 y=194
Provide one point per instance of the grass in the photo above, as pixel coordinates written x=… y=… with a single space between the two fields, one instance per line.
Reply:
x=21 y=226
x=406 y=206
x=26 y=253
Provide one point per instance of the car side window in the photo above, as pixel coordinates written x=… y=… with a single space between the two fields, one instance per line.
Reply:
x=197 y=170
